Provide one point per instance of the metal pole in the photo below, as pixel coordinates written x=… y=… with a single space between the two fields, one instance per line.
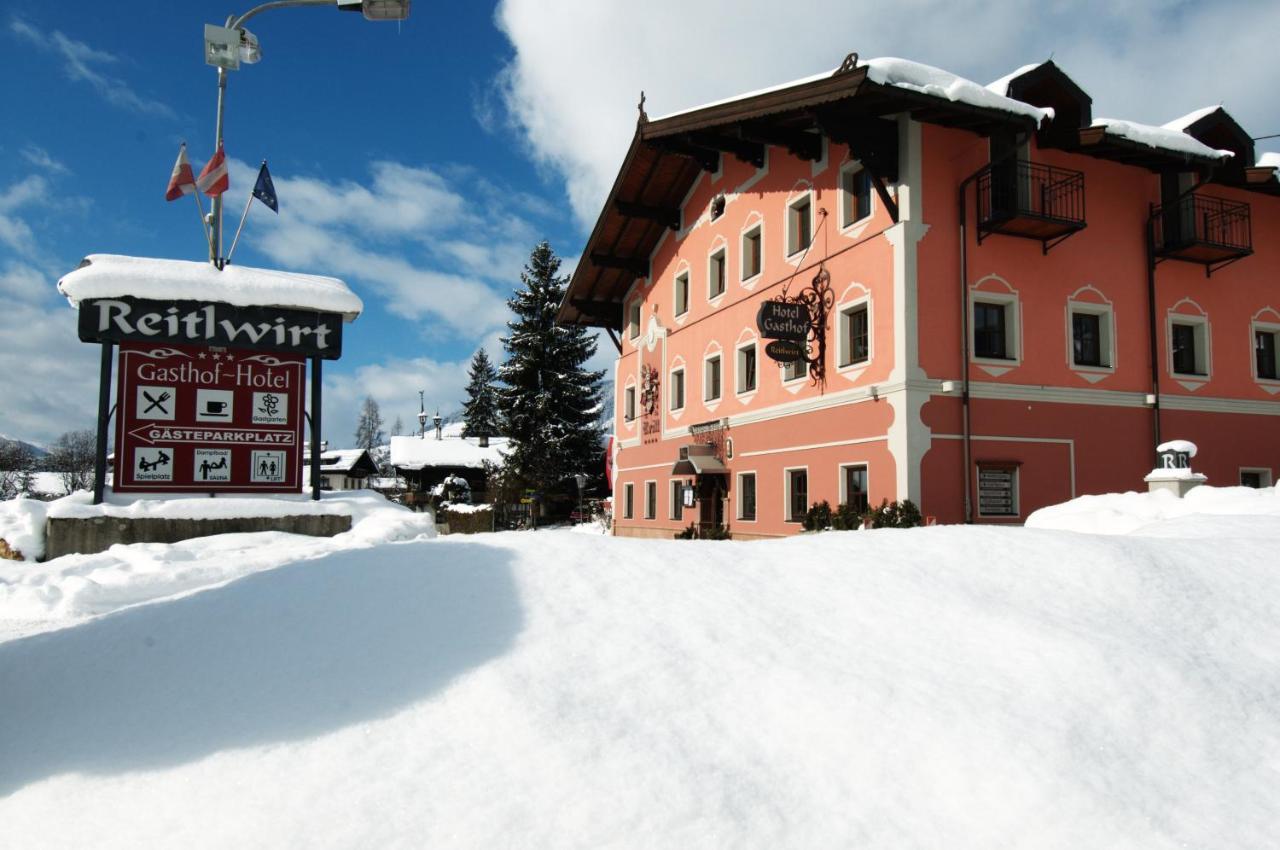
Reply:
x=315 y=428
x=104 y=417
x=215 y=238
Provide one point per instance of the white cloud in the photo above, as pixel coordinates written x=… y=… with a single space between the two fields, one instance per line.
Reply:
x=394 y=384
x=1149 y=61
x=80 y=62
x=15 y=233
x=48 y=378
x=40 y=158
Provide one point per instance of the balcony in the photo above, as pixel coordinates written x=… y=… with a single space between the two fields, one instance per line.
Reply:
x=1201 y=229
x=1030 y=200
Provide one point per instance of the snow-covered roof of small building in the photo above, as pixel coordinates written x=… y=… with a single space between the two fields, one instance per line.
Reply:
x=1161 y=138
x=339 y=460
x=115 y=276
x=1001 y=86
x=418 y=453
x=1181 y=124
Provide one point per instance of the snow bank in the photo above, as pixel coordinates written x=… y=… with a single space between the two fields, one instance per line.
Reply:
x=1161 y=138
x=114 y=276
x=40 y=596
x=22 y=526
x=958 y=687
x=1155 y=513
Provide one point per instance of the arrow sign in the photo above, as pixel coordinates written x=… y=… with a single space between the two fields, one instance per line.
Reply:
x=152 y=434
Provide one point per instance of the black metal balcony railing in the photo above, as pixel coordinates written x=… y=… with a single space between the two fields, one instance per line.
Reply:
x=1202 y=229
x=1030 y=200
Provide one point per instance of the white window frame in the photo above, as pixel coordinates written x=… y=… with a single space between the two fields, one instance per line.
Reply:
x=684 y=389
x=1012 y=327
x=756 y=227
x=738 y=373
x=802 y=365
x=684 y=276
x=651 y=506
x=718 y=356
x=629 y=500
x=1017 y=489
x=792 y=245
x=1106 y=329
x=737 y=483
x=843 y=363
x=853 y=166
x=635 y=316
x=1203 y=342
x=844 y=488
x=1263 y=471
x=629 y=403
x=723 y=250
x=786 y=492
x=677 y=499
x=1256 y=327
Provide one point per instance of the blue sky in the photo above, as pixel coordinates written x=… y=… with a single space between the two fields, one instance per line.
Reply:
x=422 y=161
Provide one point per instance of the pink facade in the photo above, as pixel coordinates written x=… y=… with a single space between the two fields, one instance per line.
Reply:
x=1060 y=383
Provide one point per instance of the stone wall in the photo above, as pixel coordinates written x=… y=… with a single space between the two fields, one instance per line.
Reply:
x=65 y=536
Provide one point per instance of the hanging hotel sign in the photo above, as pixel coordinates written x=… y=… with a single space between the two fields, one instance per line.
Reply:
x=787 y=320
x=192 y=418
x=302 y=332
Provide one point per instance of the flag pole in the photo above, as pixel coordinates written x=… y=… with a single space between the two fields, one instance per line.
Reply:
x=243 y=216
x=203 y=223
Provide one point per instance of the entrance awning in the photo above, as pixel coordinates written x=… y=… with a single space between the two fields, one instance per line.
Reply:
x=699 y=459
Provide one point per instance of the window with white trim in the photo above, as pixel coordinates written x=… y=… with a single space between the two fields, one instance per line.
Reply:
x=853 y=486
x=715 y=274
x=1092 y=340
x=799 y=224
x=855 y=334
x=793 y=370
x=855 y=194
x=1189 y=345
x=633 y=320
x=629 y=404
x=994 y=327
x=1266 y=352
x=747 y=496
x=682 y=294
x=651 y=500
x=751 y=252
x=711 y=378
x=677 y=498
x=677 y=389
x=1255 y=477
x=797 y=494
x=628 y=501
x=746 y=371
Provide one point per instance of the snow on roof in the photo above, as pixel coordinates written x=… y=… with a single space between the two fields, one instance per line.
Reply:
x=115 y=276
x=912 y=76
x=1162 y=138
x=1181 y=124
x=417 y=453
x=1178 y=446
x=1269 y=160
x=1001 y=86
x=337 y=460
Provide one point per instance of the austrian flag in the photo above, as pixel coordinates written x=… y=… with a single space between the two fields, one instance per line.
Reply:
x=213 y=179
x=182 y=181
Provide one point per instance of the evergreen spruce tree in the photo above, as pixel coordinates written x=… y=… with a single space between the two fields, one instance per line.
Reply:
x=549 y=403
x=369 y=434
x=480 y=410
x=397 y=430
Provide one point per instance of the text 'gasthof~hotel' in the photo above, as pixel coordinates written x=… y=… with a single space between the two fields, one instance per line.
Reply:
x=1007 y=301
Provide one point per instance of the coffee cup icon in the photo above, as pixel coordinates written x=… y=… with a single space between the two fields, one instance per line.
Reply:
x=215 y=408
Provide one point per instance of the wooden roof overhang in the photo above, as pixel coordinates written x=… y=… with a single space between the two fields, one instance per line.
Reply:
x=667 y=156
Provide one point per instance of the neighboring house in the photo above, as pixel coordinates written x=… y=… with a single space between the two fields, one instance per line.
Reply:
x=424 y=462
x=343 y=469
x=990 y=344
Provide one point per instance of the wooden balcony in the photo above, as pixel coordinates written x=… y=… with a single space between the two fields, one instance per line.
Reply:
x=1204 y=230
x=1031 y=201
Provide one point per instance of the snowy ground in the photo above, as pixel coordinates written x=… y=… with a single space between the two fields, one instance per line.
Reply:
x=942 y=687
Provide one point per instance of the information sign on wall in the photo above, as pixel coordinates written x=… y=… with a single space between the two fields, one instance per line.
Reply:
x=208 y=419
x=997 y=490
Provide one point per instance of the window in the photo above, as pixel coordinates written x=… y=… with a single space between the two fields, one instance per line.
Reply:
x=747 y=496
x=715 y=274
x=1255 y=478
x=747 y=368
x=799 y=225
x=854 y=487
x=751 y=253
x=997 y=489
x=650 y=500
x=682 y=293
x=797 y=494
x=628 y=501
x=1265 y=351
x=1091 y=329
x=711 y=379
x=991 y=338
x=677 y=498
x=793 y=370
x=855 y=194
x=1188 y=342
x=629 y=404
x=855 y=335
x=677 y=389
x=633 y=320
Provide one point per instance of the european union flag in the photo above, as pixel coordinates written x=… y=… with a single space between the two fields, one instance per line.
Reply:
x=264 y=190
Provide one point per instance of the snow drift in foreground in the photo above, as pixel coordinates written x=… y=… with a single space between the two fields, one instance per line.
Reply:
x=1211 y=510
x=944 y=687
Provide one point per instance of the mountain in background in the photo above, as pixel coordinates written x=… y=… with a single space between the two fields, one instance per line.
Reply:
x=37 y=451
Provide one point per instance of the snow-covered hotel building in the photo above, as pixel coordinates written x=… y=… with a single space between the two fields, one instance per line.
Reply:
x=1024 y=299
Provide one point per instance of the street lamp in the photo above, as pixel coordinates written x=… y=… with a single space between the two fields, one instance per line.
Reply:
x=227 y=46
